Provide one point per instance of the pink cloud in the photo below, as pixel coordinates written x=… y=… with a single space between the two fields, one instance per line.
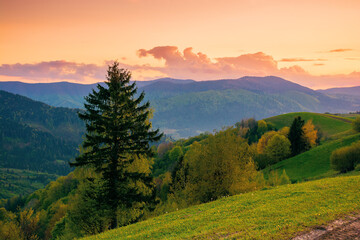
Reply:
x=301 y=59
x=185 y=64
x=199 y=66
x=188 y=64
x=61 y=70
x=340 y=50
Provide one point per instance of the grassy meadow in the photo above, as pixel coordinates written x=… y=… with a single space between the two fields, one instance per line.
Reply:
x=276 y=213
x=329 y=124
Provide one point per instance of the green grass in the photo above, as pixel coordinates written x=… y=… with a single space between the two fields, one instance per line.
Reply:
x=329 y=124
x=278 y=213
x=314 y=163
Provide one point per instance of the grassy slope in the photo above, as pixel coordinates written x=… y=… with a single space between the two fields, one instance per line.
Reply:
x=329 y=124
x=277 y=213
x=314 y=163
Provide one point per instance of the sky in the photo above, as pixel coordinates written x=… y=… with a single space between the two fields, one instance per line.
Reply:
x=312 y=43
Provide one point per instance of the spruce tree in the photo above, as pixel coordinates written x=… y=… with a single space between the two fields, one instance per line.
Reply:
x=117 y=132
x=296 y=136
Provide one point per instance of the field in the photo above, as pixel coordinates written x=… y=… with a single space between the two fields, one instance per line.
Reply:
x=329 y=124
x=277 y=213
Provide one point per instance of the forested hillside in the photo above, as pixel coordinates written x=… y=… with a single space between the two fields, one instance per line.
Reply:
x=36 y=142
x=185 y=108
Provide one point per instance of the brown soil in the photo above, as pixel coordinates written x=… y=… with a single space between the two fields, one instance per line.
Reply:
x=348 y=228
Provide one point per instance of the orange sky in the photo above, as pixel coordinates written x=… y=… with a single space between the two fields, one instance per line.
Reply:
x=314 y=43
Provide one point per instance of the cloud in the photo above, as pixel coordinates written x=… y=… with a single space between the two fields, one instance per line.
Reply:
x=353 y=59
x=301 y=60
x=188 y=64
x=61 y=70
x=340 y=50
x=198 y=66
x=185 y=64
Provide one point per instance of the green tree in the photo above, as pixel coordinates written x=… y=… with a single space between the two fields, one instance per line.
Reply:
x=117 y=130
x=278 y=148
x=220 y=165
x=262 y=127
x=296 y=136
x=356 y=124
x=175 y=154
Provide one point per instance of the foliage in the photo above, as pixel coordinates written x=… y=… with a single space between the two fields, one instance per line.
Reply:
x=220 y=166
x=262 y=127
x=274 y=179
x=267 y=214
x=356 y=124
x=163 y=148
x=23 y=225
x=346 y=158
x=278 y=148
x=296 y=138
x=263 y=142
x=87 y=214
x=251 y=129
x=117 y=132
x=310 y=134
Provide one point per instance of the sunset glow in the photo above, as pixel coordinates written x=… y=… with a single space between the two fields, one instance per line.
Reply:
x=313 y=43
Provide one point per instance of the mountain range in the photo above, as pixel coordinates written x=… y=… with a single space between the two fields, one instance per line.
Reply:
x=184 y=108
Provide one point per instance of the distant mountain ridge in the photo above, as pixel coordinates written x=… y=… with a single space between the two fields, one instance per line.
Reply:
x=187 y=107
x=348 y=94
x=354 y=91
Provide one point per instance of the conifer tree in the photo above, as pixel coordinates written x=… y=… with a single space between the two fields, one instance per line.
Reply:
x=117 y=132
x=296 y=136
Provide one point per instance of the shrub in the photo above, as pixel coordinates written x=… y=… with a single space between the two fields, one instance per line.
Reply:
x=357 y=167
x=345 y=159
x=356 y=124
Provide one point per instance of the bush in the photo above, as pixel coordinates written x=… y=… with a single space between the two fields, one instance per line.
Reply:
x=357 y=167
x=356 y=124
x=345 y=159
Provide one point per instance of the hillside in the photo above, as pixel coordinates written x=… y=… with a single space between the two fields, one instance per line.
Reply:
x=36 y=143
x=328 y=123
x=277 y=213
x=58 y=121
x=336 y=132
x=314 y=163
x=185 y=108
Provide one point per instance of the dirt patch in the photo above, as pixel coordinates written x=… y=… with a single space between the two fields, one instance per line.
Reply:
x=348 y=228
x=339 y=118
